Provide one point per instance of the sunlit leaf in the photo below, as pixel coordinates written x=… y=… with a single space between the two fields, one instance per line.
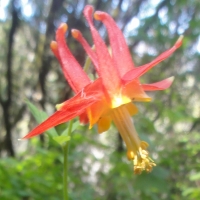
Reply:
x=61 y=139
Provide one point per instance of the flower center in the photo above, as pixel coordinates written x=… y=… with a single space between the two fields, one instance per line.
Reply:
x=119 y=100
x=136 y=149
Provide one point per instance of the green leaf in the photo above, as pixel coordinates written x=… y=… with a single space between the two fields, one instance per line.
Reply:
x=74 y=127
x=61 y=139
x=195 y=177
x=40 y=116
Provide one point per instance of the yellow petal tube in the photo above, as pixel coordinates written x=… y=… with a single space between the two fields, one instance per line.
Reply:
x=132 y=109
x=104 y=124
x=136 y=149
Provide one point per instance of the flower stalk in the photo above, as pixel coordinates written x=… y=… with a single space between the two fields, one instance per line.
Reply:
x=65 y=163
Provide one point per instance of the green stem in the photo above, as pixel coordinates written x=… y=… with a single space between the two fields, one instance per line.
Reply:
x=87 y=62
x=65 y=170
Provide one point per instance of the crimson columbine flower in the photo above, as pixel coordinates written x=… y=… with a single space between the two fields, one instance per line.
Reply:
x=111 y=96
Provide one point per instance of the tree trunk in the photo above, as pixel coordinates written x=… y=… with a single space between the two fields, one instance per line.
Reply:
x=6 y=104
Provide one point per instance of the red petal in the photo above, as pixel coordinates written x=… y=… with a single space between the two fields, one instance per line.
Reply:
x=139 y=71
x=78 y=36
x=106 y=70
x=83 y=118
x=120 y=51
x=73 y=72
x=71 y=108
x=161 y=85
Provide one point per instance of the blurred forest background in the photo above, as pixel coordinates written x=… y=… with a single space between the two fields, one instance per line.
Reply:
x=32 y=169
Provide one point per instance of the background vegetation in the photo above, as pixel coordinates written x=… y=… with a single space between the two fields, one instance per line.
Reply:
x=32 y=170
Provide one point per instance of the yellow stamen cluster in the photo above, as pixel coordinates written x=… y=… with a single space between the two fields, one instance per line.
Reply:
x=141 y=160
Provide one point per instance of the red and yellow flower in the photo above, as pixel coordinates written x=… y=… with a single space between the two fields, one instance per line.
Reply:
x=111 y=96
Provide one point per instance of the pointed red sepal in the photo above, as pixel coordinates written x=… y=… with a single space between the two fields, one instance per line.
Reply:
x=139 y=71
x=57 y=118
x=106 y=66
x=120 y=52
x=161 y=85
x=73 y=72
x=91 y=53
x=71 y=108
x=92 y=92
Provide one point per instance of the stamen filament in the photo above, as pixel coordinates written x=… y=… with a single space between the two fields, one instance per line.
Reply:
x=136 y=149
